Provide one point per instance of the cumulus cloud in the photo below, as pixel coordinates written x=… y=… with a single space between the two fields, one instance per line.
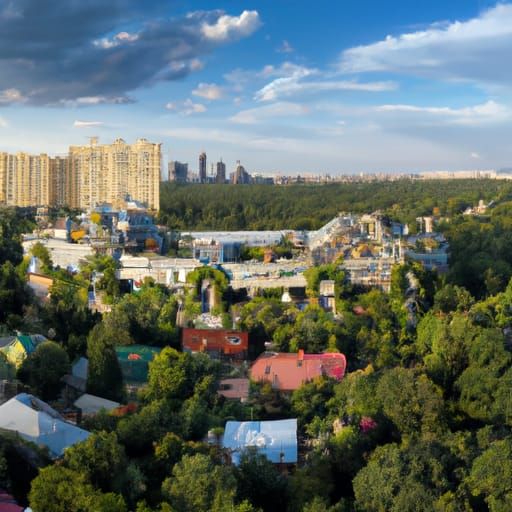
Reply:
x=488 y=112
x=477 y=50
x=55 y=53
x=87 y=124
x=187 y=107
x=208 y=91
x=231 y=27
x=267 y=112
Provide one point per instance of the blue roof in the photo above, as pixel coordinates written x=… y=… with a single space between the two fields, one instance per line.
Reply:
x=36 y=421
x=277 y=440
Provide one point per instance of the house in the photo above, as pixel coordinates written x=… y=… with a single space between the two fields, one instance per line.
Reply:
x=36 y=421
x=17 y=348
x=277 y=440
x=134 y=362
x=216 y=342
x=90 y=404
x=287 y=372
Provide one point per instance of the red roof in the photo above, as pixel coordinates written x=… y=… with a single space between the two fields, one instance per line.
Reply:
x=8 y=504
x=215 y=340
x=288 y=372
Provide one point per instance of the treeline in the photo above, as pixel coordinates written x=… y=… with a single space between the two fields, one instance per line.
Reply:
x=260 y=207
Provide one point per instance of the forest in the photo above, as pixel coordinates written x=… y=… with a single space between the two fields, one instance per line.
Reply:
x=421 y=422
x=308 y=207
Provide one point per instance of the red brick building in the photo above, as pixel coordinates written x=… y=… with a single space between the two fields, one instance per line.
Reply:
x=221 y=343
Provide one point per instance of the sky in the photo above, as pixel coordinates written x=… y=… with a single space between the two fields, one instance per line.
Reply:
x=284 y=86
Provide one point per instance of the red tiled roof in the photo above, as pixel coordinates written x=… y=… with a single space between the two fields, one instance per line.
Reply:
x=288 y=372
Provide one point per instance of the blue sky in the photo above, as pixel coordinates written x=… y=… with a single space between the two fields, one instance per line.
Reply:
x=289 y=86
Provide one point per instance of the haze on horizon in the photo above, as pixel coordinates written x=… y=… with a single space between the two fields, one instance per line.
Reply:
x=281 y=86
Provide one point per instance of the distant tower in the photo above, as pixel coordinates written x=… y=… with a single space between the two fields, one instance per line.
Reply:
x=221 y=172
x=178 y=172
x=241 y=176
x=202 y=168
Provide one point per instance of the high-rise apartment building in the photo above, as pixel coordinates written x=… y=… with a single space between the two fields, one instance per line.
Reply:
x=107 y=173
x=178 y=172
x=60 y=189
x=202 y=168
x=221 y=172
x=89 y=175
x=24 y=179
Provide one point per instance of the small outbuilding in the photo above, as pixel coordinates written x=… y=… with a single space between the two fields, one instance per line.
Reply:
x=277 y=440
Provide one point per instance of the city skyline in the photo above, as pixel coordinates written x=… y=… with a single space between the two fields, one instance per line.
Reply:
x=354 y=88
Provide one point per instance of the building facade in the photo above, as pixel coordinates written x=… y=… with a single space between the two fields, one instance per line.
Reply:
x=24 y=179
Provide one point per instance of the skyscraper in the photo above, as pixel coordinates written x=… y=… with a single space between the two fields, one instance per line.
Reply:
x=241 y=176
x=221 y=172
x=202 y=168
x=178 y=172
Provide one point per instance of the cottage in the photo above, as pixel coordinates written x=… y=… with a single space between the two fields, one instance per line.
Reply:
x=287 y=372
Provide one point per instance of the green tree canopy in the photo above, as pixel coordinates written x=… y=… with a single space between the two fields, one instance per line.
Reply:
x=44 y=368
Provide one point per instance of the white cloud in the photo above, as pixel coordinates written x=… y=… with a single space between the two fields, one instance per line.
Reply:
x=241 y=77
x=118 y=39
x=257 y=115
x=475 y=155
x=285 y=47
x=187 y=107
x=228 y=27
x=89 y=101
x=477 y=50
x=8 y=96
x=208 y=91
x=3 y=123
x=87 y=124
x=293 y=85
x=489 y=112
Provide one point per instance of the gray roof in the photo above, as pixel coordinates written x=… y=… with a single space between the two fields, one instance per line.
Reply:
x=90 y=404
x=80 y=368
x=36 y=421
